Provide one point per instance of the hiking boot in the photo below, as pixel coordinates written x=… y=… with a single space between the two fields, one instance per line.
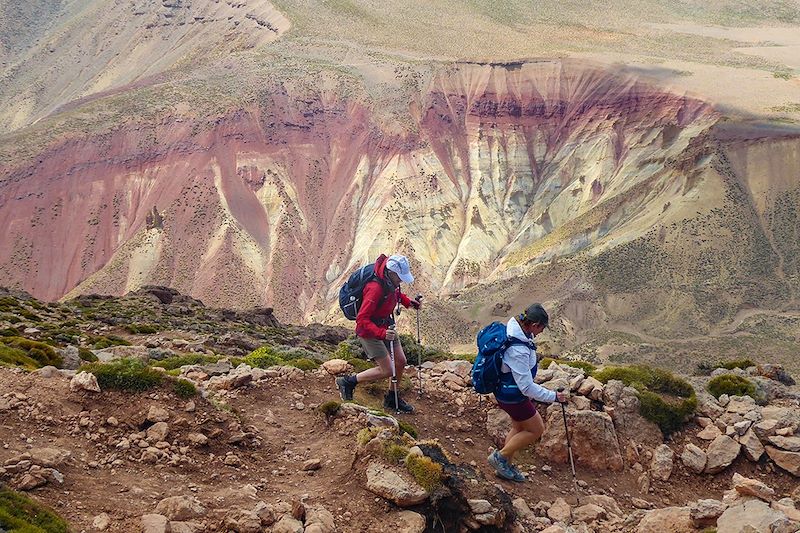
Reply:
x=502 y=467
x=403 y=407
x=346 y=387
x=519 y=477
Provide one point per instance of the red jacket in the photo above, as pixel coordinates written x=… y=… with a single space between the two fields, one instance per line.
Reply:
x=374 y=316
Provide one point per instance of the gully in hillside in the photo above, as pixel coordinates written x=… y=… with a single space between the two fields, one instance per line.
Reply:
x=369 y=297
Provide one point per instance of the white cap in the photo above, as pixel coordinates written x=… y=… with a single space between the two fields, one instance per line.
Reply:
x=399 y=265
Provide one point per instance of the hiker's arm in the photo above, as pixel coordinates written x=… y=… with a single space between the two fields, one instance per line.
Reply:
x=516 y=358
x=365 y=327
x=405 y=300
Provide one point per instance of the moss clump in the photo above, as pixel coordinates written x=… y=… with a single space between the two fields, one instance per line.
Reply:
x=732 y=385
x=330 y=408
x=184 y=389
x=425 y=471
x=20 y=514
x=10 y=332
x=665 y=399
x=101 y=342
x=125 y=374
x=28 y=354
x=407 y=428
x=304 y=364
x=264 y=357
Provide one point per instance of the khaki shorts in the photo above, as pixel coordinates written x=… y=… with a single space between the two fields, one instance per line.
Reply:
x=377 y=348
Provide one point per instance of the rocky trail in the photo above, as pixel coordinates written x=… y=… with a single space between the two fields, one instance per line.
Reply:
x=262 y=442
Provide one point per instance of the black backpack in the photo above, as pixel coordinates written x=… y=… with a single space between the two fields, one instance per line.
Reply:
x=351 y=293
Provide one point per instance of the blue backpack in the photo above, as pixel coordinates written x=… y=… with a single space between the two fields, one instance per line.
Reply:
x=351 y=294
x=493 y=341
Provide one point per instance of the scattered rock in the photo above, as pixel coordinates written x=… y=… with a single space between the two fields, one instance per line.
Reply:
x=84 y=381
x=694 y=458
x=661 y=465
x=335 y=366
x=101 y=522
x=752 y=487
x=180 y=508
x=750 y=515
x=667 y=520
x=721 y=453
x=155 y=523
x=704 y=513
x=789 y=461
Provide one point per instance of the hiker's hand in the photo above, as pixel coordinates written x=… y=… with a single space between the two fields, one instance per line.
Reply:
x=415 y=304
x=390 y=335
x=562 y=397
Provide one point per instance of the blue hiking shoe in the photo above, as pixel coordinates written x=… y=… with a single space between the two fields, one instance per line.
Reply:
x=501 y=466
x=519 y=477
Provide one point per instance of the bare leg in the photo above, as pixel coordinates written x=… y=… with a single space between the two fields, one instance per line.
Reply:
x=527 y=432
x=381 y=371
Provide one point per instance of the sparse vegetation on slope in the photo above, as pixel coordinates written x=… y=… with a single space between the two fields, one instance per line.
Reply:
x=21 y=514
x=664 y=398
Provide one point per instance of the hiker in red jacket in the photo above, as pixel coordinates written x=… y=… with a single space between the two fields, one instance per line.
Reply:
x=375 y=328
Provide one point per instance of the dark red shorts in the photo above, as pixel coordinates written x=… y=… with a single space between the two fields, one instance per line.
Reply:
x=519 y=412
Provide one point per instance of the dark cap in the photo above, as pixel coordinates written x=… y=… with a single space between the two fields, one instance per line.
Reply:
x=535 y=313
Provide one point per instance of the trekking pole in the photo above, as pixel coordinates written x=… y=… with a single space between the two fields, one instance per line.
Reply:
x=394 y=374
x=419 y=353
x=569 y=450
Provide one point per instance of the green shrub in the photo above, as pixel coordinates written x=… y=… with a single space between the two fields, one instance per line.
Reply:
x=425 y=471
x=101 y=342
x=394 y=453
x=344 y=350
x=33 y=317
x=289 y=353
x=304 y=364
x=86 y=355
x=732 y=385
x=405 y=427
x=20 y=514
x=10 y=332
x=665 y=399
x=42 y=354
x=737 y=363
x=264 y=357
x=184 y=389
x=141 y=329
x=125 y=374
x=172 y=363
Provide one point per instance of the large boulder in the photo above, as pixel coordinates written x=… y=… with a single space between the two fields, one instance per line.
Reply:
x=498 y=424
x=630 y=426
x=748 y=516
x=594 y=440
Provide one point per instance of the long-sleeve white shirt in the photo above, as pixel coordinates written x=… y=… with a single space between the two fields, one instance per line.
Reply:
x=519 y=359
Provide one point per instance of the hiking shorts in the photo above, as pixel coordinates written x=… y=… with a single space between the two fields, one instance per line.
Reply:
x=377 y=348
x=519 y=412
